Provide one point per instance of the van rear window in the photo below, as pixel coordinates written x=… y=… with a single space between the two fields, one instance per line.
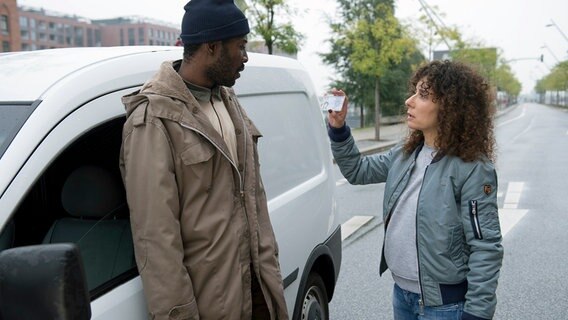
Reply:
x=290 y=125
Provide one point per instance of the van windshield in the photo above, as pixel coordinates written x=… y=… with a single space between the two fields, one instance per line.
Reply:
x=12 y=117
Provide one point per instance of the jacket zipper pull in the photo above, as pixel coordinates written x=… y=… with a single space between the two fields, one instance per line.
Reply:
x=421 y=304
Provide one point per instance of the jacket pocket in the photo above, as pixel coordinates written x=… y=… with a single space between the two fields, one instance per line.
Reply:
x=474 y=217
x=185 y=311
x=458 y=252
x=197 y=153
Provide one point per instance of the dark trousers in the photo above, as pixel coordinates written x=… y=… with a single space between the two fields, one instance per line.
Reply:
x=259 y=307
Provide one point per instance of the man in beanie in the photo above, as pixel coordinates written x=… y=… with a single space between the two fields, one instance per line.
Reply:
x=204 y=244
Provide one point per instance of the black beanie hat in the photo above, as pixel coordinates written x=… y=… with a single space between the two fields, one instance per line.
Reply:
x=212 y=20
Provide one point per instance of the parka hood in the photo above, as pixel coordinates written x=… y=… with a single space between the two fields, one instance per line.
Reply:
x=166 y=83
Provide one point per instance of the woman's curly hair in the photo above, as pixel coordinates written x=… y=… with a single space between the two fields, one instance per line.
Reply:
x=465 y=114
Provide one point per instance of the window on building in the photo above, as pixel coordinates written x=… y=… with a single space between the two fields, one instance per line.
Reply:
x=90 y=38
x=79 y=37
x=4 y=25
x=23 y=23
x=68 y=34
x=131 y=39
x=121 y=37
x=32 y=23
x=98 y=41
x=5 y=46
x=141 y=36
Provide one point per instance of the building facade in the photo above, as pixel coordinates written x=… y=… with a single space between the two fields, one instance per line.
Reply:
x=9 y=27
x=26 y=28
x=133 y=31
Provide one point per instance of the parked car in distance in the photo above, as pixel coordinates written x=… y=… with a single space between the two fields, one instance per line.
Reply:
x=61 y=120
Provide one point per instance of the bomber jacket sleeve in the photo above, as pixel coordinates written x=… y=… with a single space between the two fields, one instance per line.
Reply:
x=149 y=177
x=354 y=167
x=483 y=234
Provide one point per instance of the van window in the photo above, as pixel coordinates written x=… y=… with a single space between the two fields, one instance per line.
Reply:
x=288 y=153
x=80 y=198
x=12 y=117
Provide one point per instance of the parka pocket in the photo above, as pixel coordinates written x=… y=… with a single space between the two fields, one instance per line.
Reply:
x=185 y=311
x=197 y=153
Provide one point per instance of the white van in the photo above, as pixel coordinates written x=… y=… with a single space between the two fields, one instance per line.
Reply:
x=60 y=112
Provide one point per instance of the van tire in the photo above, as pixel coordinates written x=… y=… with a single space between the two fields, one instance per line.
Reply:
x=315 y=303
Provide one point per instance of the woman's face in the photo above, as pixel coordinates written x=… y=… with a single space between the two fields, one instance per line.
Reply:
x=422 y=113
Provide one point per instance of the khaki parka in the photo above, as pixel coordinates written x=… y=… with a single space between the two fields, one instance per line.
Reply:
x=199 y=219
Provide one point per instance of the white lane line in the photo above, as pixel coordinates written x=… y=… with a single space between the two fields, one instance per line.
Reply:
x=514 y=119
x=340 y=182
x=509 y=215
x=513 y=195
x=508 y=218
x=353 y=224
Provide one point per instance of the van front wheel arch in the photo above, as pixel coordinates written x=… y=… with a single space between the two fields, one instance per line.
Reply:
x=315 y=303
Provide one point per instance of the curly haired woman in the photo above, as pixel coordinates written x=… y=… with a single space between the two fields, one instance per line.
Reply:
x=442 y=236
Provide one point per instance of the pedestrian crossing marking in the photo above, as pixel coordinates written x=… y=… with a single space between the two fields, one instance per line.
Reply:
x=510 y=215
x=508 y=218
x=353 y=224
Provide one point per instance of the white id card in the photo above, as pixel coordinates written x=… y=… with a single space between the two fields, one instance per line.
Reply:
x=331 y=102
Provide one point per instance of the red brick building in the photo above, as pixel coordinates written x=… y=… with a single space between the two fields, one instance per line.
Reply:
x=9 y=27
x=25 y=28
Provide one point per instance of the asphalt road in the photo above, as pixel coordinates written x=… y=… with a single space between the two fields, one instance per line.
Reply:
x=532 y=168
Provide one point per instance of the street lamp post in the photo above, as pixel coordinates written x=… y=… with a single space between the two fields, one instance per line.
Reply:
x=552 y=23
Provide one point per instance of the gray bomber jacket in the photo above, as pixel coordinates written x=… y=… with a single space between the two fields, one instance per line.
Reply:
x=458 y=231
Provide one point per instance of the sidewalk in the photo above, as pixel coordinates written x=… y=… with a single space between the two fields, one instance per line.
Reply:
x=390 y=135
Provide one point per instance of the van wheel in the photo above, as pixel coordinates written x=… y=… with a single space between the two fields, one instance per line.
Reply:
x=315 y=303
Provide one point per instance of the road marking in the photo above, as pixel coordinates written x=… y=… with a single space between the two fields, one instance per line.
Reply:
x=353 y=224
x=508 y=218
x=340 y=182
x=510 y=215
x=513 y=195
x=514 y=119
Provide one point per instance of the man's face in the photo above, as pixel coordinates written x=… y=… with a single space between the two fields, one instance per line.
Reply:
x=230 y=62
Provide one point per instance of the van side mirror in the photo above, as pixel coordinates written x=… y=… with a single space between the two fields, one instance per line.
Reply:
x=43 y=282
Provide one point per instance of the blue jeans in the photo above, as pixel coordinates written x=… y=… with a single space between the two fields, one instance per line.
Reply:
x=406 y=307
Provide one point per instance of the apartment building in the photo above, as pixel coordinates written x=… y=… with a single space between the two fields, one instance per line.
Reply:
x=130 y=31
x=9 y=28
x=25 y=28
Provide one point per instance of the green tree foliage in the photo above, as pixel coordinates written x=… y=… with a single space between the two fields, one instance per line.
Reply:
x=472 y=52
x=555 y=81
x=276 y=34
x=505 y=80
x=373 y=56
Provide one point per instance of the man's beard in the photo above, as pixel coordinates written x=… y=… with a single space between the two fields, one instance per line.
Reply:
x=221 y=73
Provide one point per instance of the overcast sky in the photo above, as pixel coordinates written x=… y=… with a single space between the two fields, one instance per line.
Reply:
x=517 y=27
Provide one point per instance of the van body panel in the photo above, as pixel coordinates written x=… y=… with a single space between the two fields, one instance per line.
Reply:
x=75 y=99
